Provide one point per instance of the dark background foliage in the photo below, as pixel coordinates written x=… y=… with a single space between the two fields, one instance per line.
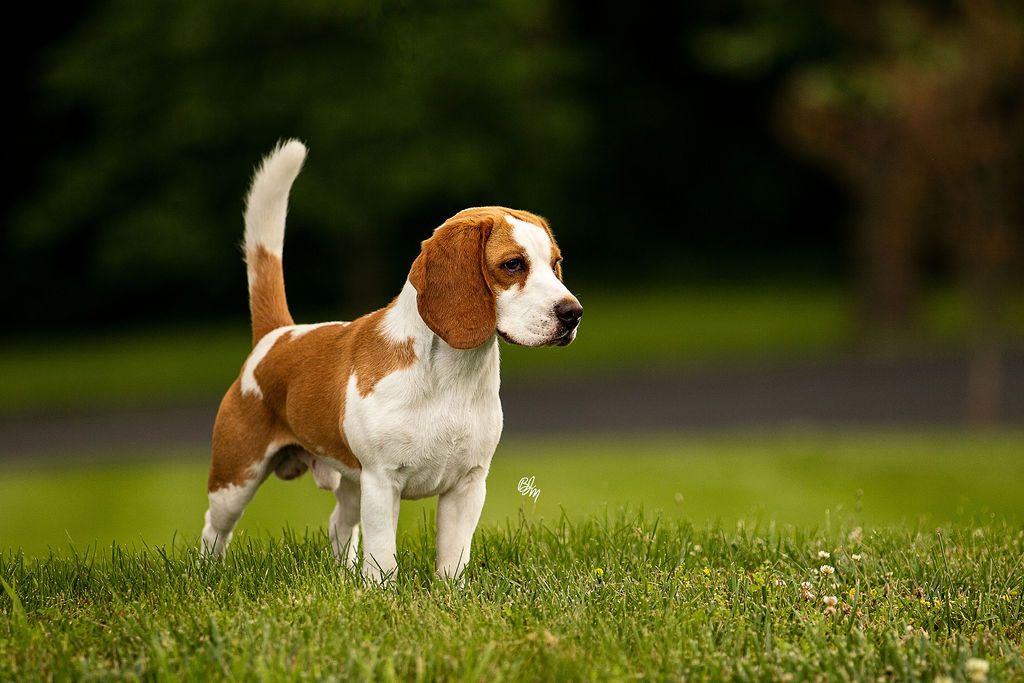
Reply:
x=138 y=125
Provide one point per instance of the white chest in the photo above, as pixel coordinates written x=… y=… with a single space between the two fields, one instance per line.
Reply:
x=427 y=426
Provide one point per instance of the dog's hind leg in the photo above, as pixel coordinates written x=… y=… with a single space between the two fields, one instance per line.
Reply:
x=243 y=450
x=344 y=523
x=226 y=506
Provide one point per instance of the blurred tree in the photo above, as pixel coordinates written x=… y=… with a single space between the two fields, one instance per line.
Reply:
x=411 y=111
x=688 y=161
x=919 y=105
x=139 y=130
x=963 y=103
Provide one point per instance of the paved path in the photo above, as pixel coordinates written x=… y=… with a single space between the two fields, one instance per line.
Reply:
x=846 y=392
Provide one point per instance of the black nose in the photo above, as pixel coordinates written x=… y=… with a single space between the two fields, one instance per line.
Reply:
x=569 y=312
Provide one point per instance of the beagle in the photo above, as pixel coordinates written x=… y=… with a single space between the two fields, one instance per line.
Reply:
x=400 y=403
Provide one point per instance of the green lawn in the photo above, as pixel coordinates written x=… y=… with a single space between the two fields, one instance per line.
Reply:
x=613 y=597
x=811 y=479
x=665 y=557
x=621 y=330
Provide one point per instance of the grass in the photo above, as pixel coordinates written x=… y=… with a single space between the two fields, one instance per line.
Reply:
x=803 y=478
x=605 y=597
x=663 y=557
x=673 y=327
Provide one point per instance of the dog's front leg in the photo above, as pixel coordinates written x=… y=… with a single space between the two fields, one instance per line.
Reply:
x=458 y=511
x=378 y=506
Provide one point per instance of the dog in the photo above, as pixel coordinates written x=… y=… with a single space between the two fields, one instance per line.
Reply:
x=400 y=403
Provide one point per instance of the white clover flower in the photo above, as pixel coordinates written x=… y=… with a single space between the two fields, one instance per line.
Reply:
x=856 y=535
x=826 y=570
x=976 y=669
x=823 y=555
x=830 y=600
x=805 y=586
x=856 y=557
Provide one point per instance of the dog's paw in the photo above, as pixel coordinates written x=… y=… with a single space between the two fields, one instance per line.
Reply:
x=445 y=575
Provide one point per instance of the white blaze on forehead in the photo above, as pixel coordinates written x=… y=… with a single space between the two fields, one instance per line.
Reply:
x=533 y=238
x=526 y=313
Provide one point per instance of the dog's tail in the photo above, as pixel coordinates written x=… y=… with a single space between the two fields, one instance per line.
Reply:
x=265 y=208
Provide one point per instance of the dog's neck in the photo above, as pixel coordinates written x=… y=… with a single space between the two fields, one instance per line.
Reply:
x=403 y=322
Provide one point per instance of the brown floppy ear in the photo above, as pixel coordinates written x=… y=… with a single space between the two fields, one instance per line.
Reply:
x=452 y=295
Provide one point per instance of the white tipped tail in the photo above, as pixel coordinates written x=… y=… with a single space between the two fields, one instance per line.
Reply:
x=267 y=203
x=265 y=211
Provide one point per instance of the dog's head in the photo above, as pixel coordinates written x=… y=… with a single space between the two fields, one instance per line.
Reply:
x=492 y=269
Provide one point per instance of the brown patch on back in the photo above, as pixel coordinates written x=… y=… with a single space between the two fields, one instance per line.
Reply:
x=267 y=301
x=304 y=380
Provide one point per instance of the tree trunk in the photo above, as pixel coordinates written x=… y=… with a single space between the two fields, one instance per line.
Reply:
x=986 y=245
x=887 y=249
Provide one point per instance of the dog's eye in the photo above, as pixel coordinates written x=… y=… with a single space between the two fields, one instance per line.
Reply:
x=515 y=265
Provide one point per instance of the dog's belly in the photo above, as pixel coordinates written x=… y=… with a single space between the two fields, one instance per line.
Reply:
x=427 y=444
